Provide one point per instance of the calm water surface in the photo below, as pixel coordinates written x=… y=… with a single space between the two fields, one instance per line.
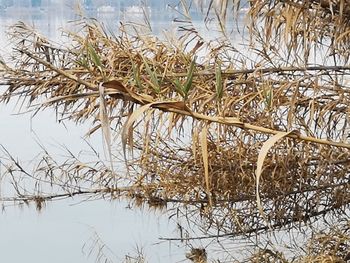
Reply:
x=64 y=230
x=59 y=232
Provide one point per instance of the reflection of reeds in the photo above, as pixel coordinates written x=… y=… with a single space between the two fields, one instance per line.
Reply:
x=199 y=127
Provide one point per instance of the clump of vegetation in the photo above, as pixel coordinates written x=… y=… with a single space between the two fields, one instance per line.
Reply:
x=331 y=245
x=245 y=139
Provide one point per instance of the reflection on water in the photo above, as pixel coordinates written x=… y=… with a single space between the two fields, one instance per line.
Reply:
x=58 y=234
x=236 y=214
x=121 y=229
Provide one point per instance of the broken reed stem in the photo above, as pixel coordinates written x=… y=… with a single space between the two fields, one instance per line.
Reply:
x=135 y=189
x=253 y=230
x=232 y=121
x=222 y=120
x=60 y=71
x=231 y=72
x=111 y=191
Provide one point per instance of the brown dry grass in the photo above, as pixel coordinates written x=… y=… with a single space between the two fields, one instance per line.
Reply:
x=199 y=129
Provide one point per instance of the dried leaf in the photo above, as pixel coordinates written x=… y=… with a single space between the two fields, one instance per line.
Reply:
x=106 y=130
x=204 y=146
x=261 y=158
x=115 y=84
x=131 y=120
x=179 y=105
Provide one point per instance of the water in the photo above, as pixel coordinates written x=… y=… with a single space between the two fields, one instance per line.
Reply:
x=65 y=230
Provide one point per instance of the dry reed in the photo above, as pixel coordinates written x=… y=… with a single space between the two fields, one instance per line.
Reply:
x=198 y=127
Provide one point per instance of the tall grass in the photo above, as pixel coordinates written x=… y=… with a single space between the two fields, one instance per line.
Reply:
x=244 y=149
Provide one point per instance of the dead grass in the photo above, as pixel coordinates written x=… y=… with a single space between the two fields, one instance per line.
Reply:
x=250 y=144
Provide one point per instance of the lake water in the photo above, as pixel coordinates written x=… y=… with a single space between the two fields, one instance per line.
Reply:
x=65 y=231
x=58 y=233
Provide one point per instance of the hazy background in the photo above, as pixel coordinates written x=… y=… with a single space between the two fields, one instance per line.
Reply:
x=59 y=232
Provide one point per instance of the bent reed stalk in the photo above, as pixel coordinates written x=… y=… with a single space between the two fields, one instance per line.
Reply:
x=195 y=124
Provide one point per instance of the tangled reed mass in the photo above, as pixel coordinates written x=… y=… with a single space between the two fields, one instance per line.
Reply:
x=193 y=129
